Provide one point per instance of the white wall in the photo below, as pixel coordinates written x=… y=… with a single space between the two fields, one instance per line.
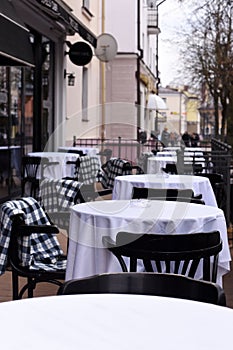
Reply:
x=121 y=22
x=74 y=124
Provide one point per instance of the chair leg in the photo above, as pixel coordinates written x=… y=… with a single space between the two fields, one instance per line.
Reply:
x=22 y=188
x=31 y=287
x=15 y=285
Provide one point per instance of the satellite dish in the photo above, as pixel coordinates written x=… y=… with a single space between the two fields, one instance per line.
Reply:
x=106 y=48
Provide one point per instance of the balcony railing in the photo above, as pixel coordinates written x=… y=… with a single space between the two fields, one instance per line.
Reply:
x=152 y=21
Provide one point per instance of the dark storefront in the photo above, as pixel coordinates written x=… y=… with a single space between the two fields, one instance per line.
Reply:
x=31 y=80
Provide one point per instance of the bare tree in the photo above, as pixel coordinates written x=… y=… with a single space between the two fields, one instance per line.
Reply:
x=208 y=56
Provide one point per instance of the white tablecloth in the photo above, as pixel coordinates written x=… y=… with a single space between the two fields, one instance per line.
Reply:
x=90 y=151
x=123 y=185
x=155 y=163
x=166 y=154
x=91 y=221
x=188 y=149
x=60 y=170
x=186 y=153
x=113 y=322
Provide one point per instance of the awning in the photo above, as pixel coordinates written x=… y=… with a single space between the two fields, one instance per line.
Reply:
x=15 y=46
x=155 y=102
x=55 y=9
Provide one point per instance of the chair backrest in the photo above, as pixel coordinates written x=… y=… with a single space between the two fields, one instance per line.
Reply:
x=159 y=284
x=146 y=192
x=179 y=199
x=80 y=152
x=30 y=166
x=34 y=250
x=170 y=253
x=86 y=169
x=107 y=153
x=214 y=178
x=170 y=168
x=112 y=168
x=219 y=187
x=57 y=196
x=32 y=172
x=133 y=169
x=168 y=194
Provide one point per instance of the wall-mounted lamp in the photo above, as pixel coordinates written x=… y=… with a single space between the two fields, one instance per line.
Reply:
x=71 y=78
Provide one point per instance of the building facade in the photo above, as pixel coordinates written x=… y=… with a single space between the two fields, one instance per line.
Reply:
x=131 y=76
x=182 y=112
x=34 y=106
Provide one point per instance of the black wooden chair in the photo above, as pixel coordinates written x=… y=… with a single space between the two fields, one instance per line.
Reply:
x=86 y=171
x=56 y=198
x=159 y=284
x=30 y=248
x=169 y=194
x=218 y=185
x=170 y=168
x=132 y=169
x=112 y=168
x=170 y=253
x=80 y=152
x=32 y=173
x=146 y=192
x=107 y=153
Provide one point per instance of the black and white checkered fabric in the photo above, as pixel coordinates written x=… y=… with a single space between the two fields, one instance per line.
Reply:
x=37 y=251
x=88 y=170
x=59 y=195
x=114 y=167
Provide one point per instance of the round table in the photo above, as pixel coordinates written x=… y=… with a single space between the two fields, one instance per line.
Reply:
x=155 y=163
x=90 y=151
x=91 y=221
x=61 y=169
x=114 y=321
x=123 y=185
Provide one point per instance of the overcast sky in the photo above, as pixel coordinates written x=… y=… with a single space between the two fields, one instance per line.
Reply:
x=172 y=17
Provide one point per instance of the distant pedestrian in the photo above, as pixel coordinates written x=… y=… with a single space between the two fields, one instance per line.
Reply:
x=165 y=137
x=186 y=138
x=195 y=139
x=172 y=138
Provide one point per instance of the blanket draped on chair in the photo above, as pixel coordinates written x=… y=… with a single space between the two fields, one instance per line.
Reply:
x=38 y=251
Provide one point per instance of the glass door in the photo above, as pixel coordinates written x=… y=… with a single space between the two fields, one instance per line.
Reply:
x=11 y=131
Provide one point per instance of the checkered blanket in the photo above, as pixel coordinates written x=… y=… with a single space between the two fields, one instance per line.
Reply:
x=88 y=170
x=59 y=195
x=38 y=251
x=114 y=167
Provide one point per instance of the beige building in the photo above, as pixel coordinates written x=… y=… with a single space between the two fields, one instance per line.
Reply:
x=83 y=111
x=182 y=113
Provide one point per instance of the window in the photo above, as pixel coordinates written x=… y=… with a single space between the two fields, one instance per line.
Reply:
x=86 y=10
x=86 y=4
x=85 y=94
